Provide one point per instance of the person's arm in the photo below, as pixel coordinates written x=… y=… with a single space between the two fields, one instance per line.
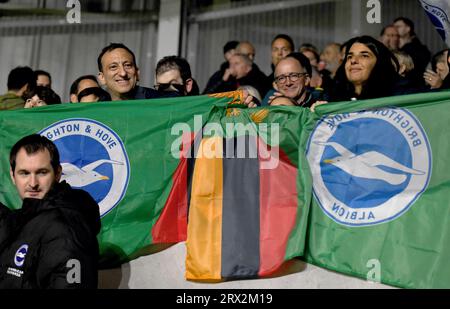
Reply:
x=432 y=79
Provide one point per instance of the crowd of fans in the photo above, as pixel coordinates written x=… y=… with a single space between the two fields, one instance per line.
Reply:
x=362 y=68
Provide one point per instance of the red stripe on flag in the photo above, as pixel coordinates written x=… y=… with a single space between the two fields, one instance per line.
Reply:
x=171 y=225
x=278 y=200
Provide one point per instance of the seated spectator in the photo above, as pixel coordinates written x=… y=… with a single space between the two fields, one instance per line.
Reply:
x=410 y=44
x=173 y=74
x=406 y=64
x=246 y=48
x=43 y=78
x=81 y=83
x=369 y=71
x=310 y=51
x=390 y=38
x=242 y=72
x=93 y=94
x=229 y=49
x=406 y=83
x=119 y=74
x=41 y=96
x=438 y=77
x=331 y=58
x=282 y=45
x=20 y=80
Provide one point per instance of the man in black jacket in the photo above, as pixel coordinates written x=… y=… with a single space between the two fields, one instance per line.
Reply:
x=410 y=44
x=51 y=241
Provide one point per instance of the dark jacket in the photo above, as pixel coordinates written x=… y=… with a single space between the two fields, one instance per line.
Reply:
x=312 y=96
x=141 y=93
x=216 y=78
x=420 y=56
x=41 y=243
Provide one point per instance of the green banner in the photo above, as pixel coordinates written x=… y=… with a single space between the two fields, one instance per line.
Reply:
x=122 y=153
x=381 y=188
x=372 y=179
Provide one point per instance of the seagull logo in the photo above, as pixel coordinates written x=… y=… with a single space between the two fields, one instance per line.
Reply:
x=86 y=175
x=367 y=165
x=93 y=158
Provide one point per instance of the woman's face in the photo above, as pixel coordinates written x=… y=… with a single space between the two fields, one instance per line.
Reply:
x=359 y=64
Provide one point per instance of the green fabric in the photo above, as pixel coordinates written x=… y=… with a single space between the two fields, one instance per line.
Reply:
x=145 y=129
x=413 y=249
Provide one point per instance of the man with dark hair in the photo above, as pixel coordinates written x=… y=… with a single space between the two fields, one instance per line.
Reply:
x=410 y=44
x=119 y=73
x=173 y=74
x=20 y=80
x=229 y=49
x=51 y=241
x=81 y=83
x=43 y=78
x=282 y=45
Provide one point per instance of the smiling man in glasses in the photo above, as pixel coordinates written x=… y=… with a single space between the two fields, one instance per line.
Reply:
x=292 y=78
x=173 y=74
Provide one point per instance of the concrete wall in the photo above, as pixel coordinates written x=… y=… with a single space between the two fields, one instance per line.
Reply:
x=165 y=270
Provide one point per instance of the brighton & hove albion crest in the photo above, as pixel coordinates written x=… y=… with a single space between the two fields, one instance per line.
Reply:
x=93 y=158
x=368 y=167
x=19 y=257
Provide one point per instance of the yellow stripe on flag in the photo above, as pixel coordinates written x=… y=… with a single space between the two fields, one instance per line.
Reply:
x=204 y=240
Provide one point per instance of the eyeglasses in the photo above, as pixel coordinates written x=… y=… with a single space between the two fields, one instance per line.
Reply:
x=293 y=77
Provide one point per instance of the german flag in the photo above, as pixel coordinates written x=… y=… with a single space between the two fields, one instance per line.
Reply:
x=235 y=202
x=241 y=213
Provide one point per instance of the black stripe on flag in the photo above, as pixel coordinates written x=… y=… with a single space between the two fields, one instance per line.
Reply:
x=240 y=210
